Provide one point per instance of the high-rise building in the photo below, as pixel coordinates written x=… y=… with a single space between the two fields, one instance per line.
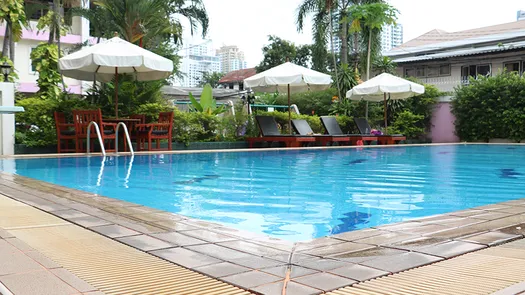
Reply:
x=197 y=58
x=231 y=59
x=391 y=36
x=520 y=15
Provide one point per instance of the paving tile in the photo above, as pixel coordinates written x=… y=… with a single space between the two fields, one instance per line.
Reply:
x=20 y=245
x=467 y=213
x=37 y=282
x=251 y=248
x=451 y=249
x=400 y=262
x=251 y=279
x=369 y=254
x=42 y=259
x=491 y=215
x=5 y=234
x=513 y=210
x=71 y=213
x=359 y=272
x=179 y=239
x=73 y=280
x=322 y=264
x=292 y=288
x=89 y=221
x=296 y=271
x=463 y=222
x=320 y=242
x=518 y=229
x=295 y=257
x=425 y=229
x=492 y=207
x=324 y=281
x=94 y=293
x=457 y=232
x=219 y=252
x=385 y=238
x=152 y=217
x=238 y=234
x=174 y=225
x=335 y=249
x=416 y=243
x=491 y=238
x=275 y=243
x=140 y=227
x=185 y=257
x=145 y=243
x=202 y=223
x=114 y=231
x=13 y=261
x=209 y=236
x=222 y=269
x=48 y=206
x=256 y=262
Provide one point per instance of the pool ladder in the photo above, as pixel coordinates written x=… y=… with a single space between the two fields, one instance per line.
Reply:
x=101 y=142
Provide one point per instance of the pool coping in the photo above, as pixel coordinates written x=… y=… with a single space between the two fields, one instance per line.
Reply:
x=251 y=261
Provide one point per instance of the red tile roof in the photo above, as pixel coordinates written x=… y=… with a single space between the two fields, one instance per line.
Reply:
x=238 y=76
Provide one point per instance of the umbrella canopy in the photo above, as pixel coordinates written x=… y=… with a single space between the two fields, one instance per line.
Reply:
x=375 y=88
x=288 y=78
x=100 y=61
x=299 y=78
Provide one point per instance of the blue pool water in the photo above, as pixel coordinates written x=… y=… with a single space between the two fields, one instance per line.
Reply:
x=298 y=195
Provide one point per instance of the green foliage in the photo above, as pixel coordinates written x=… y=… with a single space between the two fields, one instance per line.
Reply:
x=13 y=13
x=151 y=110
x=36 y=125
x=384 y=64
x=238 y=126
x=45 y=59
x=278 y=50
x=316 y=102
x=408 y=124
x=491 y=107
x=195 y=126
x=207 y=104
x=346 y=79
x=344 y=107
x=12 y=77
x=210 y=78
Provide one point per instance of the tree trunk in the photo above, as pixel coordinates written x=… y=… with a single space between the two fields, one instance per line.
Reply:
x=333 y=54
x=12 y=47
x=368 y=55
x=356 y=50
x=5 y=47
x=344 y=39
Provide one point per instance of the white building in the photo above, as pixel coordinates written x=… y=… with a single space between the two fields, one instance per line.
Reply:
x=78 y=33
x=197 y=58
x=391 y=36
x=231 y=58
x=520 y=15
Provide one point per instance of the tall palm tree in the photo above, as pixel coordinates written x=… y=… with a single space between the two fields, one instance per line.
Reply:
x=13 y=13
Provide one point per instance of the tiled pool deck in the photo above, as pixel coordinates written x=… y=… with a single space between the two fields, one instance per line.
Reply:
x=263 y=264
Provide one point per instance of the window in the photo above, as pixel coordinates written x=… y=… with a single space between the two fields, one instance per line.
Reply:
x=428 y=71
x=432 y=71
x=483 y=70
x=444 y=70
x=410 y=72
x=32 y=68
x=420 y=71
x=474 y=71
x=512 y=66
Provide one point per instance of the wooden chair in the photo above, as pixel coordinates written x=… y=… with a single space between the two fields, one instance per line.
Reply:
x=155 y=131
x=82 y=120
x=132 y=126
x=65 y=132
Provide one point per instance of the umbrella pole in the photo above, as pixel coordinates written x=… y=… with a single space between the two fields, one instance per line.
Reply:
x=289 y=112
x=384 y=99
x=116 y=92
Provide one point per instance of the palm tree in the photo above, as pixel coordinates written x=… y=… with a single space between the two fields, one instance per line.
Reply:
x=144 y=21
x=13 y=13
x=384 y=64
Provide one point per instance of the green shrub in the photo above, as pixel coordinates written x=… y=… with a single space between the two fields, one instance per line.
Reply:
x=195 y=126
x=316 y=102
x=491 y=107
x=152 y=110
x=239 y=126
x=408 y=124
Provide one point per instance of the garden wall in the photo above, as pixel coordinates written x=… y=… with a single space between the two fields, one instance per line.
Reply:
x=443 y=129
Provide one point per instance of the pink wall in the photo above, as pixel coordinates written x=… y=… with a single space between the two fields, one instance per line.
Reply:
x=32 y=88
x=44 y=35
x=443 y=128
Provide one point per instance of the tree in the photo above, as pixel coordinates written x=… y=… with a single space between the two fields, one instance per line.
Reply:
x=210 y=78
x=148 y=21
x=371 y=17
x=13 y=14
x=279 y=50
x=384 y=64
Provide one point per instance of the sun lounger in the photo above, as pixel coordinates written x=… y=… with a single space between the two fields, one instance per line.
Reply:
x=269 y=132
x=303 y=128
x=332 y=128
x=364 y=128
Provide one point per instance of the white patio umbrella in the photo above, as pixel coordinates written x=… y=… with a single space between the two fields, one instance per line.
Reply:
x=104 y=61
x=377 y=88
x=288 y=78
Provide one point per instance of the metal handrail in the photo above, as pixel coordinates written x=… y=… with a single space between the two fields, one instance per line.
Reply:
x=127 y=138
x=100 y=141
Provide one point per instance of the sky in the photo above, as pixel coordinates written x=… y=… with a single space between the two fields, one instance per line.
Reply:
x=247 y=23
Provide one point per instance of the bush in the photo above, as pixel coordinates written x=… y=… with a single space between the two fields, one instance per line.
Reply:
x=152 y=110
x=239 y=126
x=195 y=126
x=316 y=102
x=491 y=107
x=408 y=124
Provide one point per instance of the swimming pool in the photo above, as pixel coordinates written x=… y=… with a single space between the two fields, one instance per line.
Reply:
x=299 y=194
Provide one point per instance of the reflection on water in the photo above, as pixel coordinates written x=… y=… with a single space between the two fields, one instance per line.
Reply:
x=298 y=195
